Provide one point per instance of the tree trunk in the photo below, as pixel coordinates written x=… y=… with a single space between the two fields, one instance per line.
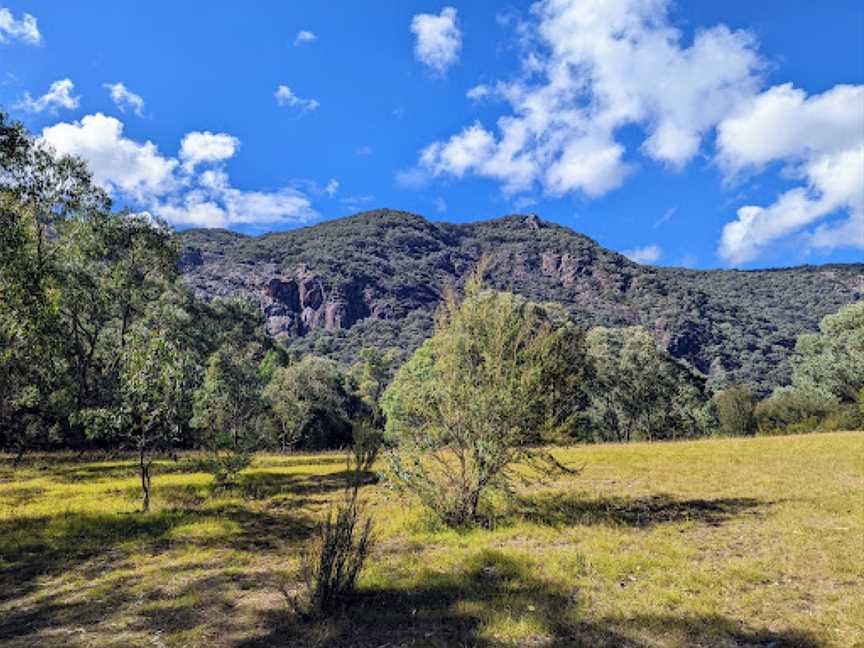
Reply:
x=145 y=481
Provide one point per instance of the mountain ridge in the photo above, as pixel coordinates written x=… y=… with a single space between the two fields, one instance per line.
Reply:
x=375 y=278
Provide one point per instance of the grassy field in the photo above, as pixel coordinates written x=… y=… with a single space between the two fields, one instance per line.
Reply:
x=741 y=542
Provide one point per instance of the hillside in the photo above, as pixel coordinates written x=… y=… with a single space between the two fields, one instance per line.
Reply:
x=374 y=279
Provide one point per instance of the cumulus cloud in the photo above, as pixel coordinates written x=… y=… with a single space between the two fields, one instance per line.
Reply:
x=214 y=202
x=819 y=140
x=286 y=97
x=25 y=30
x=59 y=95
x=118 y=163
x=438 y=39
x=478 y=92
x=304 y=36
x=198 y=147
x=124 y=98
x=646 y=254
x=332 y=187
x=190 y=189
x=592 y=68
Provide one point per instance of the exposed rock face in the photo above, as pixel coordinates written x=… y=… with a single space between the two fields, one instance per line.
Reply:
x=302 y=302
x=375 y=279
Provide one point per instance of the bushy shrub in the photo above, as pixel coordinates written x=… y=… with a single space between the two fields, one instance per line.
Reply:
x=733 y=408
x=789 y=411
x=638 y=392
x=499 y=374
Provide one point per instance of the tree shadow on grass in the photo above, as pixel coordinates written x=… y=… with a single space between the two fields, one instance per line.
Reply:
x=460 y=609
x=31 y=548
x=568 y=509
x=200 y=600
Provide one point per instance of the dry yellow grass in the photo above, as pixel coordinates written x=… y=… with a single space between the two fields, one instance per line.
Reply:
x=735 y=542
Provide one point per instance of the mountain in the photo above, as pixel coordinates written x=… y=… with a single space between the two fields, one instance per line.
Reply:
x=375 y=279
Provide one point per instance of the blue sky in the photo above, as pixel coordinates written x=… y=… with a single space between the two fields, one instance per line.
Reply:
x=699 y=134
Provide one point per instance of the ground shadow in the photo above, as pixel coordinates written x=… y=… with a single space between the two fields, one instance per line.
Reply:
x=568 y=509
x=449 y=610
x=51 y=545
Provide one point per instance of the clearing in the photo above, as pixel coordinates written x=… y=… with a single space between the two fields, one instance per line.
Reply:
x=728 y=542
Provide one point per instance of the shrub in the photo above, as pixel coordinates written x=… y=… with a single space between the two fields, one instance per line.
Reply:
x=733 y=407
x=639 y=392
x=789 y=411
x=330 y=567
x=499 y=374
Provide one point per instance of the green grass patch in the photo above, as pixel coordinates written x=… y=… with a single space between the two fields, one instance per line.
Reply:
x=733 y=542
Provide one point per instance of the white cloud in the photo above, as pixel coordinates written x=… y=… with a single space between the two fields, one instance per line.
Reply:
x=124 y=98
x=364 y=151
x=413 y=178
x=593 y=67
x=207 y=147
x=478 y=92
x=25 y=30
x=175 y=188
x=286 y=97
x=59 y=95
x=440 y=205
x=646 y=254
x=439 y=39
x=667 y=216
x=304 y=36
x=118 y=163
x=820 y=141
x=332 y=187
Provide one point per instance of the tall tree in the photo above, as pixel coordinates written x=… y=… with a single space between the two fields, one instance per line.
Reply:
x=226 y=407
x=830 y=364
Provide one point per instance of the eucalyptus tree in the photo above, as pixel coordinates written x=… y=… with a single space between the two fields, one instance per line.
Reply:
x=226 y=407
x=307 y=398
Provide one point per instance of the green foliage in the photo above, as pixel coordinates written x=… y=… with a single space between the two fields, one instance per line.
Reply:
x=830 y=364
x=789 y=410
x=828 y=376
x=471 y=401
x=226 y=408
x=311 y=403
x=154 y=379
x=330 y=567
x=638 y=392
x=733 y=408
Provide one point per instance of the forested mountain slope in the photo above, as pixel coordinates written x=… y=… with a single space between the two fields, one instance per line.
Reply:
x=374 y=279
